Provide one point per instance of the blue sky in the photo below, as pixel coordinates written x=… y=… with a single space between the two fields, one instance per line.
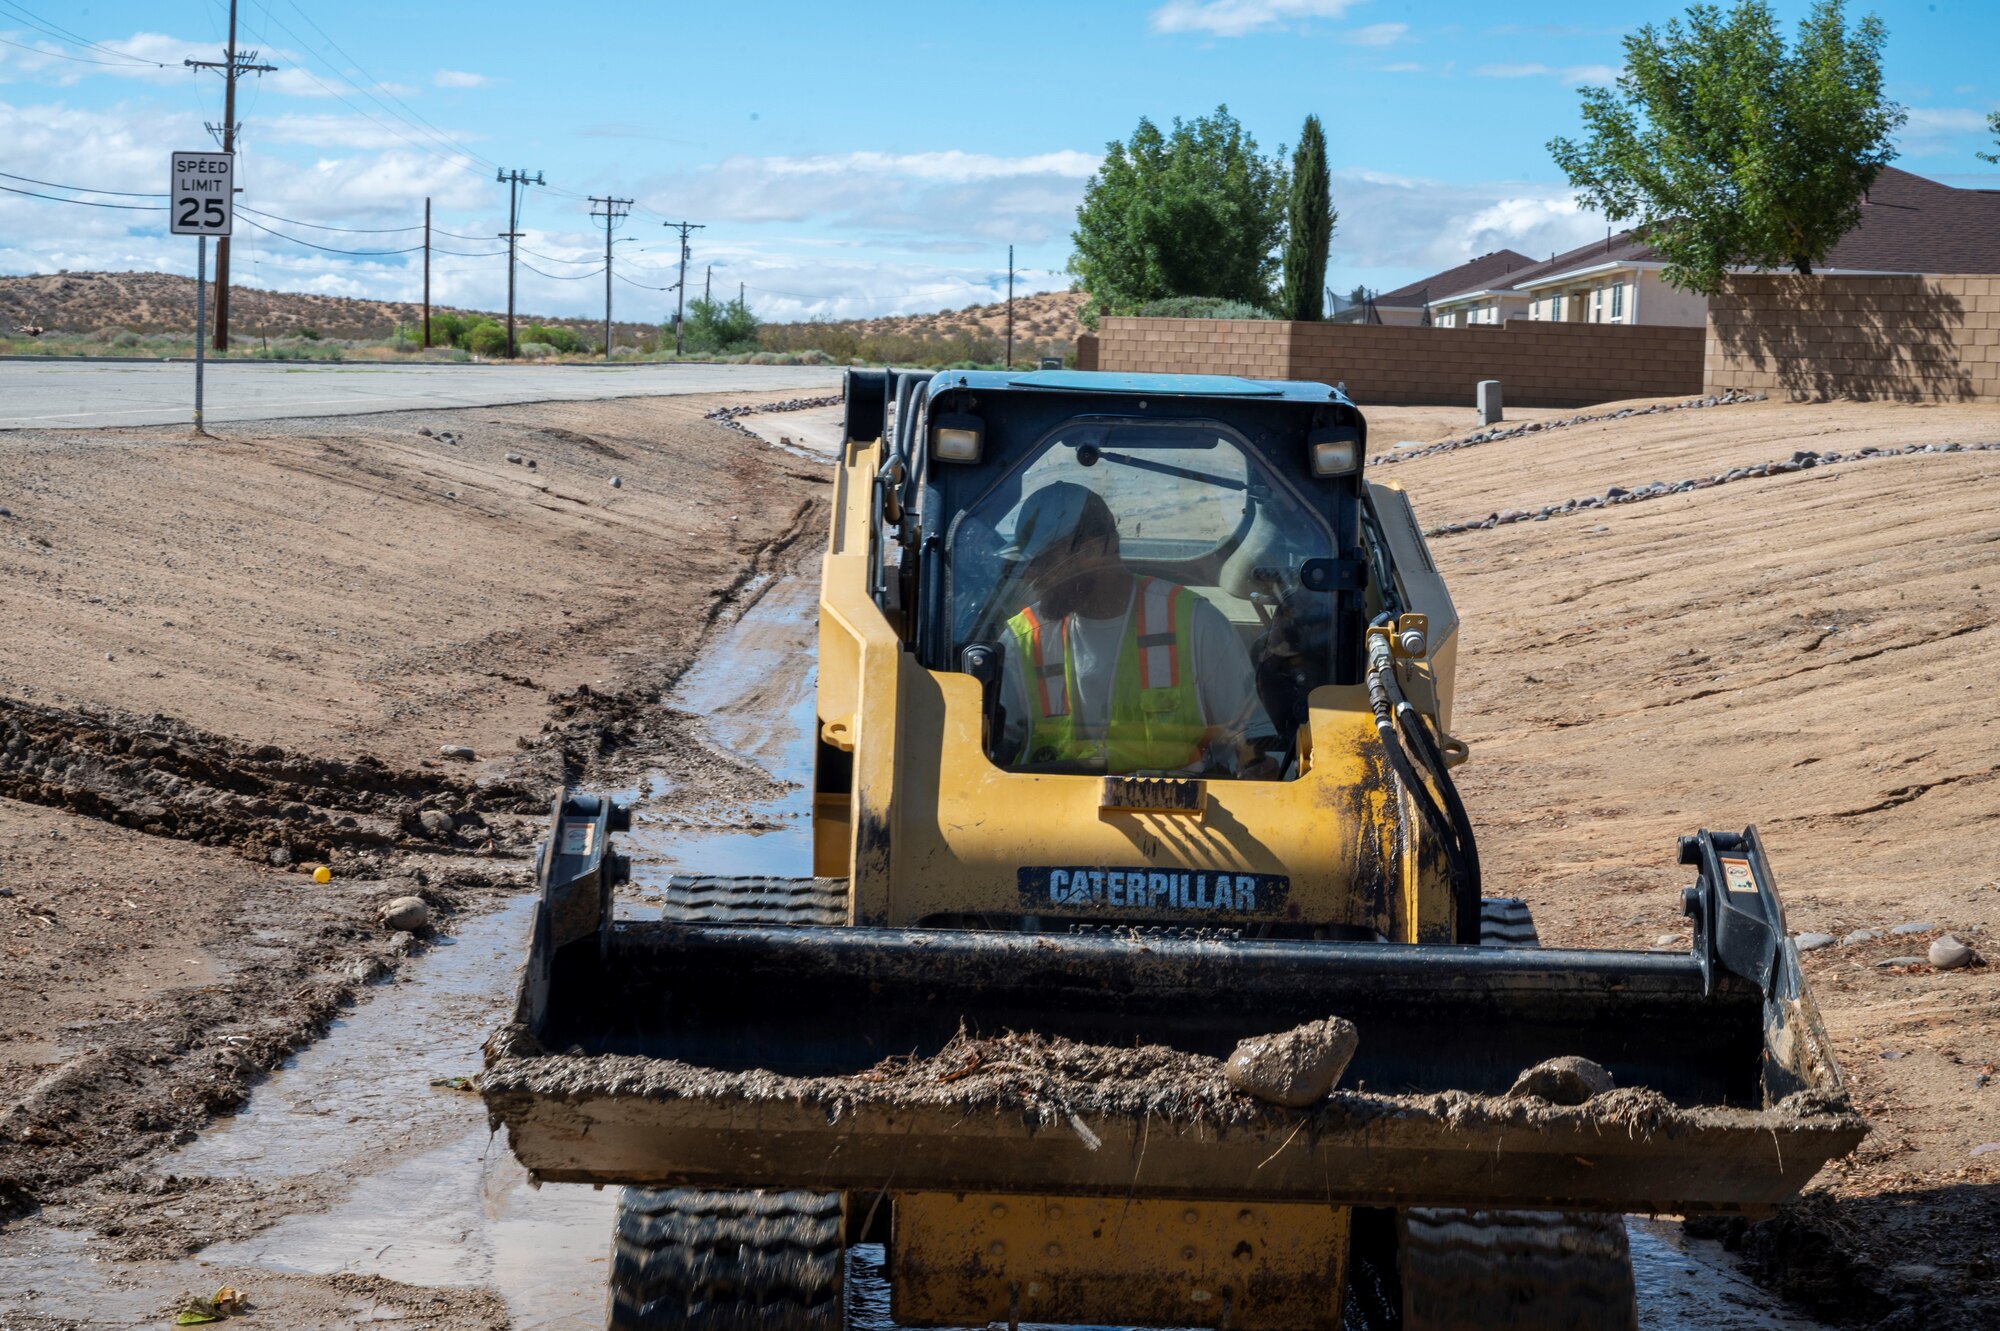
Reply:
x=846 y=160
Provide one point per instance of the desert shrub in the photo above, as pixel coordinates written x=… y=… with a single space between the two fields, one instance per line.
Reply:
x=565 y=340
x=535 y=351
x=456 y=355
x=310 y=334
x=125 y=337
x=449 y=329
x=488 y=337
x=1199 y=307
x=718 y=326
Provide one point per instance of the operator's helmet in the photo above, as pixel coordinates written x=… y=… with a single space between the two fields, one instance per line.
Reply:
x=1061 y=512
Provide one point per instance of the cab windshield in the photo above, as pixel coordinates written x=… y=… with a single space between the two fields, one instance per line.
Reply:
x=1139 y=585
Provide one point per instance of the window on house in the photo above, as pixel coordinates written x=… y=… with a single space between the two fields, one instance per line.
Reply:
x=1597 y=305
x=1617 y=302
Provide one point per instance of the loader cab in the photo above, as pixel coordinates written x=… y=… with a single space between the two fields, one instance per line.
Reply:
x=1148 y=574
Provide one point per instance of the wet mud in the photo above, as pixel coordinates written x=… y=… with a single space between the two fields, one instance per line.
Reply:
x=166 y=778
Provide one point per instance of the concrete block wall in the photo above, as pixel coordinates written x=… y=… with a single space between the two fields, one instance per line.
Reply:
x=1538 y=364
x=1912 y=338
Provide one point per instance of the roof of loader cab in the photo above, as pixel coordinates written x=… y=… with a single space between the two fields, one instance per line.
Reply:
x=1153 y=385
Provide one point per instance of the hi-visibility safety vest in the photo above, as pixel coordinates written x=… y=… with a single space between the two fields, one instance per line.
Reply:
x=1155 y=722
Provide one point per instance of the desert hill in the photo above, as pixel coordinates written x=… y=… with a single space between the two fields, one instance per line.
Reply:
x=164 y=303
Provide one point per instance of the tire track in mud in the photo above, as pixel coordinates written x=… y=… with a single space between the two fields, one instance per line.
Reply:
x=167 y=778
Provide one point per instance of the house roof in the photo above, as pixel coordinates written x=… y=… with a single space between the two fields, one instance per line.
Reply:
x=1480 y=272
x=1909 y=224
x=1913 y=225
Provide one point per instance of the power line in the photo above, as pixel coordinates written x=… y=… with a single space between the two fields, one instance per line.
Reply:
x=561 y=277
x=364 y=254
x=550 y=258
x=680 y=287
x=64 y=34
x=513 y=180
x=614 y=213
x=90 y=203
x=322 y=226
x=85 y=189
x=643 y=286
x=81 y=60
x=233 y=64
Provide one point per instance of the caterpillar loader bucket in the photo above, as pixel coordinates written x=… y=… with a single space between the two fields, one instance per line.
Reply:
x=863 y=1060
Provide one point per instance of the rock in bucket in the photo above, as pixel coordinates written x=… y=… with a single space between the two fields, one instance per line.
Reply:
x=1297 y=1068
x=1568 y=1080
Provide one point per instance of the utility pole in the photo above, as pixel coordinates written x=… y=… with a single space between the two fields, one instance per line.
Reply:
x=707 y=281
x=680 y=290
x=513 y=180
x=1011 y=306
x=427 y=272
x=234 y=62
x=613 y=210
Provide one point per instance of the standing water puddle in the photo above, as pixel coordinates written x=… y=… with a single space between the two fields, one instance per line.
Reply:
x=426 y=1196
x=435 y=1199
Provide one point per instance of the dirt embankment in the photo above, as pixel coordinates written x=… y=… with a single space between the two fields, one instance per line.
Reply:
x=1809 y=651
x=164 y=303
x=243 y=658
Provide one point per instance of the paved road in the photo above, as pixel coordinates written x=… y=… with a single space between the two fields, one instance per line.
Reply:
x=56 y=394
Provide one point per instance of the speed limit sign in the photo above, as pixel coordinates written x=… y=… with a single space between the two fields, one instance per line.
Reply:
x=202 y=200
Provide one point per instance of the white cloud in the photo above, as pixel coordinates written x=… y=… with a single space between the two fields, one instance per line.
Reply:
x=952 y=198
x=1932 y=129
x=1377 y=34
x=1234 y=18
x=1403 y=67
x=1571 y=74
x=1415 y=226
x=298 y=81
x=1596 y=74
x=459 y=78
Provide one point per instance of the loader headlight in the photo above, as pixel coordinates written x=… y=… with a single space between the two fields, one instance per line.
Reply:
x=958 y=438
x=1336 y=450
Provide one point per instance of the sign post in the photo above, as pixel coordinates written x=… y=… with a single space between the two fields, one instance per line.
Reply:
x=201 y=201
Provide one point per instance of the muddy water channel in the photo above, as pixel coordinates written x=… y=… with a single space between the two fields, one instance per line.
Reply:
x=387 y=1167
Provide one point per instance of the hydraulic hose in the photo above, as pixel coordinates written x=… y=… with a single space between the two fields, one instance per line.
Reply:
x=1449 y=823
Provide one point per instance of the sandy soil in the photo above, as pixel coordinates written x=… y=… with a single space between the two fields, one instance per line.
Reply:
x=299 y=615
x=243 y=658
x=1813 y=653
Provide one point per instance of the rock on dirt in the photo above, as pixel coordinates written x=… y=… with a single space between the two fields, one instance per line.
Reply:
x=1813 y=942
x=462 y=752
x=437 y=823
x=1297 y=1068
x=406 y=913
x=1948 y=954
x=1568 y=1080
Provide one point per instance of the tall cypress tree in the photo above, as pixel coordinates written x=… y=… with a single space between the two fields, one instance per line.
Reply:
x=1309 y=217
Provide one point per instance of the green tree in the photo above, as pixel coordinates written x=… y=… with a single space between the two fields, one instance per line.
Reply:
x=1730 y=150
x=1993 y=123
x=1309 y=222
x=1193 y=212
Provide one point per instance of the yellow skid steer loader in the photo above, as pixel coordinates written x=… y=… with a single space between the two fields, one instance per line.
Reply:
x=1134 y=710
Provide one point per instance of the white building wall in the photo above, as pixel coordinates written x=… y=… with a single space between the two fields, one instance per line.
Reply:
x=1662 y=304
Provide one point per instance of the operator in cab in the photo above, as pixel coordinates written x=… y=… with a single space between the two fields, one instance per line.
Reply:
x=1105 y=670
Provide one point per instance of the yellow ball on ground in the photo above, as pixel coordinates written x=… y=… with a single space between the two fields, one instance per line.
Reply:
x=322 y=874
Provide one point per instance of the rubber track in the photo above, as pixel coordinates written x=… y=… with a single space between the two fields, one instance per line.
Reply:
x=1516 y=1271
x=692 y=1259
x=1505 y=922
x=695 y=898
